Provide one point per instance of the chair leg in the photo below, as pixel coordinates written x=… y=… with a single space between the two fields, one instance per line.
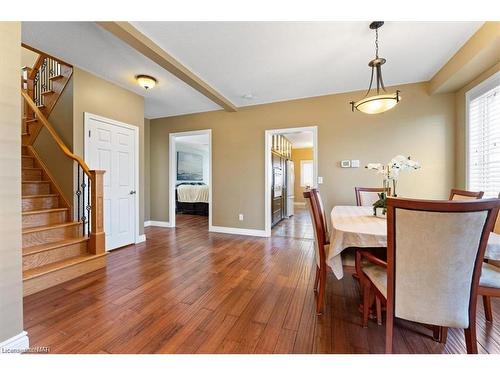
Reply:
x=487 y=308
x=436 y=333
x=389 y=330
x=320 y=303
x=378 y=305
x=470 y=338
x=316 y=279
x=366 y=302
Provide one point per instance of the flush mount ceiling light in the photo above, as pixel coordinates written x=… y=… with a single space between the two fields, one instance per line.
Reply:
x=382 y=101
x=145 y=81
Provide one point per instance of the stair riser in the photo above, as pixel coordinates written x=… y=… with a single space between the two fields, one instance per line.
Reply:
x=36 y=189
x=32 y=175
x=44 y=218
x=51 y=235
x=45 y=281
x=42 y=203
x=24 y=150
x=46 y=257
x=27 y=162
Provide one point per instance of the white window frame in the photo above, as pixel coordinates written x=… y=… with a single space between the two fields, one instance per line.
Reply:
x=478 y=90
x=302 y=163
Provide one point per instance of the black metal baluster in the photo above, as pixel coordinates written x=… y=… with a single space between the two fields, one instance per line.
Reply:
x=89 y=206
x=78 y=193
x=84 y=219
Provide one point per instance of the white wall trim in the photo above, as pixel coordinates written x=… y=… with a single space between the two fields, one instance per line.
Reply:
x=135 y=129
x=267 y=160
x=16 y=344
x=172 y=173
x=163 y=224
x=141 y=239
x=238 y=231
x=147 y=223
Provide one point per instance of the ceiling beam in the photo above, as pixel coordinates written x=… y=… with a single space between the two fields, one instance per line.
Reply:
x=141 y=43
x=478 y=54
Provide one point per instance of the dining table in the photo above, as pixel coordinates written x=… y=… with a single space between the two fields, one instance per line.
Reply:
x=357 y=227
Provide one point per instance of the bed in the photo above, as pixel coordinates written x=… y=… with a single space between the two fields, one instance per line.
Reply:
x=192 y=198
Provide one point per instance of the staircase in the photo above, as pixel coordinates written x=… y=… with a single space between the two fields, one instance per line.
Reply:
x=56 y=246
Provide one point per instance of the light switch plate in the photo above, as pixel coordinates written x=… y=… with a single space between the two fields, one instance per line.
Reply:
x=345 y=164
x=320 y=180
x=354 y=163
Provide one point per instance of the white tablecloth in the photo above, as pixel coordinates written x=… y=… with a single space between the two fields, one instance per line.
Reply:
x=354 y=226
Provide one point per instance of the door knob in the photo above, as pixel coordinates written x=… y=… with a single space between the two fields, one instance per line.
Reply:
x=132 y=192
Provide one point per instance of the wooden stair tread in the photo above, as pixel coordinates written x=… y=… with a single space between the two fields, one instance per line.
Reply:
x=52 y=267
x=48 y=210
x=40 y=196
x=36 y=182
x=48 y=92
x=52 y=226
x=52 y=245
x=56 y=77
x=32 y=168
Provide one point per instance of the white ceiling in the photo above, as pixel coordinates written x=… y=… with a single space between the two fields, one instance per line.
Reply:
x=201 y=139
x=272 y=61
x=300 y=139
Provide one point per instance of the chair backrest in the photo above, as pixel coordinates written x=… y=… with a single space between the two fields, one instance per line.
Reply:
x=368 y=196
x=434 y=253
x=464 y=195
x=318 y=219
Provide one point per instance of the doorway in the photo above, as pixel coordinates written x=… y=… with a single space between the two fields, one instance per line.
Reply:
x=113 y=146
x=291 y=157
x=190 y=179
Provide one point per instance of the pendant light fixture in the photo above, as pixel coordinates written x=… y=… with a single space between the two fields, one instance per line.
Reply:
x=380 y=102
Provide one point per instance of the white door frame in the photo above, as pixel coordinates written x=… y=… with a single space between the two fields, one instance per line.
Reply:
x=268 y=171
x=172 y=175
x=135 y=129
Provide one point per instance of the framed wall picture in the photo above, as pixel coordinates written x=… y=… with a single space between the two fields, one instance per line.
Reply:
x=189 y=166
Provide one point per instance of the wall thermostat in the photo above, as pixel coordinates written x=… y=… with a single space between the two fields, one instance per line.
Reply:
x=345 y=164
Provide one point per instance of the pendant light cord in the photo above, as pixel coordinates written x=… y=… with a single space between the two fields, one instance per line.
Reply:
x=376 y=43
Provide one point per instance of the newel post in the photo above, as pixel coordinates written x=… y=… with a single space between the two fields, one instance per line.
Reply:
x=97 y=243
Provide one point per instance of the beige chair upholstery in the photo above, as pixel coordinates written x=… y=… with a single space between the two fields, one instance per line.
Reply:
x=458 y=197
x=490 y=276
x=316 y=248
x=435 y=254
x=368 y=198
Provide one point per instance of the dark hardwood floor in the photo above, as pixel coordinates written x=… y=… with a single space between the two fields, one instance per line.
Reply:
x=190 y=291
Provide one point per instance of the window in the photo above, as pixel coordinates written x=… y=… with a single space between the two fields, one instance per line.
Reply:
x=306 y=173
x=483 y=137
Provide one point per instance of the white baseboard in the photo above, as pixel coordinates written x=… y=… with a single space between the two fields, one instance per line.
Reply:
x=299 y=203
x=239 y=231
x=141 y=238
x=152 y=223
x=16 y=344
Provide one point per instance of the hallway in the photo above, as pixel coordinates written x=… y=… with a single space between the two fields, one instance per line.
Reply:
x=298 y=226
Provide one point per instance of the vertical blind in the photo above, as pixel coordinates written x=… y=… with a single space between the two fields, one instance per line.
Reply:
x=484 y=139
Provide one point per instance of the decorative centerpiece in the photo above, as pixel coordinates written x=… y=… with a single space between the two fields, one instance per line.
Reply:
x=390 y=174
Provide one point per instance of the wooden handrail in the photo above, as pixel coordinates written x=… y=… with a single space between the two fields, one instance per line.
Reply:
x=45 y=54
x=40 y=117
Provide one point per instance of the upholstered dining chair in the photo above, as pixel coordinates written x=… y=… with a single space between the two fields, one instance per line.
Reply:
x=321 y=241
x=464 y=195
x=368 y=196
x=416 y=282
x=489 y=283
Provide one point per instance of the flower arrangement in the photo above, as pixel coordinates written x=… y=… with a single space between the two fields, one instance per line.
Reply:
x=390 y=173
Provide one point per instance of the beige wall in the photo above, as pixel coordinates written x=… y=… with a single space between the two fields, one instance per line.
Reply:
x=147 y=179
x=11 y=284
x=299 y=154
x=28 y=57
x=99 y=97
x=421 y=126
x=58 y=164
x=461 y=124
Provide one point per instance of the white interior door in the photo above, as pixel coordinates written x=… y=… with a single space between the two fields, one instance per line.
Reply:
x=111 y=147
